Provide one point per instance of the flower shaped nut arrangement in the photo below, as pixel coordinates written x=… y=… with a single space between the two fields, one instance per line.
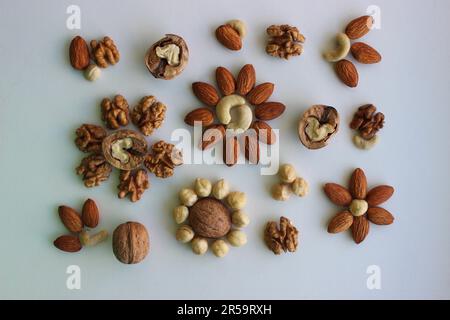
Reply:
x=126 y=149
x=234 y=113
x=361 y=206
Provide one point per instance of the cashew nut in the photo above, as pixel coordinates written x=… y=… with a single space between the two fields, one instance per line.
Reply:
x=118 y=149
x=342 y=49
x=363 y=143
x=91 y=240
x=170 y=52
x=224 y=106
x=239 y=26
x=243 y=119
x=316 y=131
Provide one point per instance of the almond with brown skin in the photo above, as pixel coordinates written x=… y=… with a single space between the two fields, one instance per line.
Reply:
x=251 y=148
x=379 y=195
x=364 y=53
x=70 y=218
x=203 y=115
x=340 y=222
x=358 y=184
x=360 y=228
x=79 y=53
x=338 y=194
x=230 y=150
x=346 y=71
x=212 y=134
x=359 y=27
x=90 y=214
x=68 y=243
x=229 y=37
x=246 y=79
x=225 y=81
x=206 y=93
x=269 y=110
x=260 y=93
x=380 y=216
x=264 y=132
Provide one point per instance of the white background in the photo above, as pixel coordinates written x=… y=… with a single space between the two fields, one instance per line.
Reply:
x=43 y=100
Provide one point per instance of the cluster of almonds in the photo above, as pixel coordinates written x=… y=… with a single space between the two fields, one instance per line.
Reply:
x=76 y=223
x=290 y=183
x=362 y=52
x=208 y=212
x=103 y=53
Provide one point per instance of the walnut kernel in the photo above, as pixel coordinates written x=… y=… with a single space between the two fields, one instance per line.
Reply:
x=105 y=52
x=148 y=115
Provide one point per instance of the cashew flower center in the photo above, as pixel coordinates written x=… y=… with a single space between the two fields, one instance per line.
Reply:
x=316 y=131
x=170 y=52
x=119 y=147
x=243 y=115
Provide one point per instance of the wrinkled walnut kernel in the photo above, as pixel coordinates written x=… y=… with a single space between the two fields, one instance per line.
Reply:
x=367 y=121
x=148 y=115
x=115 y=112
x=133 y=183
x=105 y=52
x=90 y=137
x=163 y=159
x=94 y=169
x=283 y=239
x=284 y=42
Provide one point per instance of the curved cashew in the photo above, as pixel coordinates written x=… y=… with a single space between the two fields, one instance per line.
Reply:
x=342 y=49
x=363 y=143
x=224 y=106
x=317 y=132
x=243 y=119
x=239 y=26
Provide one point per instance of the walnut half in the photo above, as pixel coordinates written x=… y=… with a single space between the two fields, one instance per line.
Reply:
x=124 y=149
x=317 y=125
x=282 y=239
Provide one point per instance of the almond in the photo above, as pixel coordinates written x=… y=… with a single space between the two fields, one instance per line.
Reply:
x=246 y=79
x=360 y=228
x=210 y=135
x=346 y=71
x=264 y=132
x=338 y=194
x=229 y=37
x=364 y=53
x=340 y=222
x=68 y=243
x=358 y=184
x=380 y=216
x=79 y=53
x=230 y=151
x=203 y=115
x=251 y=148
x=225 y=81
x=90 y=214
x=70 y=218
x=269 y=110
x=260 y=93
x=206 y=93
x=378 y=195
x=359 y=27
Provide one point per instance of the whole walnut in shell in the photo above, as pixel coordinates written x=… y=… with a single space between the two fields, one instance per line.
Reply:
x=130 y=242
x=210 y=218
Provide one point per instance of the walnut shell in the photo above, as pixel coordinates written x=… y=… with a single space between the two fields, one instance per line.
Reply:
x=209 y=218
x=130 y=242
x=159 y=67
x=325 y=115
x=136 y=153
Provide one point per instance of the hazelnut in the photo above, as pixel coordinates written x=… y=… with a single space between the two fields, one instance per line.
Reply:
x=237 y=238
x=300 y=187
x=199 y=245
x=187 y=197
x=130 y=242
x=92 y=72
x=219 y=248
x=210 y=218
x=184 y=233
x=220 y=189
x=281 y=191
x=202 y=187
x=236 y=200
x=358 y=207
x=180 y=214
x=240 y=219
x=287 y=173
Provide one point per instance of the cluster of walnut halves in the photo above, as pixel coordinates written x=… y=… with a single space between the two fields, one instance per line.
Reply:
x=105 y=52
x=367 y=122
x=282 y=239
x=285 y=41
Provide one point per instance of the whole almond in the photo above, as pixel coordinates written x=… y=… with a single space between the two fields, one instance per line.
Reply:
x=378 y=195
x=70 y=218
x=346 y=71
x=90 y=214
x=269 y=110
x=229 y=37
x=359 y=27
x=204 y=115
x=360 y=228
x=358 y=184
x=380 y=216
x=338 y=194
x=251 y=148
x=68 y=243
x=340 y=222
x=211 y=135
x=264 y=132
x=260 y=93
x=206 y=93
x=246 y=79
x=79 y=53
x=364 y=53
x=230 y=150
x=225 y=81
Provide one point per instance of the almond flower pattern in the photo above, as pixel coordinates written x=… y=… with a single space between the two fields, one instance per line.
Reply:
x=361 y=206
x=237 y=94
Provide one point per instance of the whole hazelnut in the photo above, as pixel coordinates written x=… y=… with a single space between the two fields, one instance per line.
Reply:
x=219 y=248
x=287 y=173
x=187 y=197
x=199 y=245
x=180 y=214
x=237 y=238
x=281 y=191
x=130 y=242
x=92 y=72
x=185 y=234
x=300 y=187
x=240 y=219
x=220 y=189
x=236 y=200
x=202 y=187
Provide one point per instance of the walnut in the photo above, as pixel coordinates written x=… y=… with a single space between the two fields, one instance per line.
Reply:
x=133 y=183
x=163 y=159
x=210 y=218
x=115 y=112
x=105 y=52
x=284 y=41
x=367 y=121
x=94 y=169
x=90 y=137
x=130 y=242
x=125 y=149
x=317 y=126
x=148 y=115
x=283 y=239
